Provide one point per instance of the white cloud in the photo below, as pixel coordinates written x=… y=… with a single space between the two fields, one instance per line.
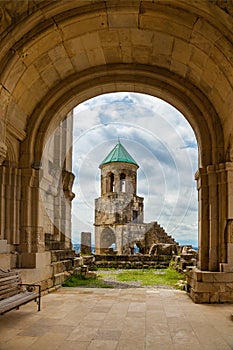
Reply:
x=162 y=143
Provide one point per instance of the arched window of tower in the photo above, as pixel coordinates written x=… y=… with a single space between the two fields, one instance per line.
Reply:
x=112 y=183
x=122 y=182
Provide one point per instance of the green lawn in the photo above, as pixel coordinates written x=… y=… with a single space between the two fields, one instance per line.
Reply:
x=151 y=277
x=80 y=281
x=168 y=277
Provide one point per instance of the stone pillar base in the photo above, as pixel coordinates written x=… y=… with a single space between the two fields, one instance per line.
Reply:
x=5 y=261
x=4 y=247
x=35 y=260
x=6 y=258
x=210 y=287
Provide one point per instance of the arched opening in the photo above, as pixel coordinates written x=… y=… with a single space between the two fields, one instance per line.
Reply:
x=210 y=147
x=122 y=183
x=107 y=241
x=161 y=141
x=111 y=182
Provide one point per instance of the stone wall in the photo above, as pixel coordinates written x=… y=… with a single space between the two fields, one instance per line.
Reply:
x=138 y=261
x=210 y=287
x=186 y=258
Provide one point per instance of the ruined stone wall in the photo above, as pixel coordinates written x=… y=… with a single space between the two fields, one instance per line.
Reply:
x=132 y=261
x=156 y=234
x=144 y=236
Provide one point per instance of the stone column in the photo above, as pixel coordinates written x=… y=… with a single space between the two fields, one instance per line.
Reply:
x=67 y=197
x=86 y=242
x=222 y=203
x=212 y=283
x=98 y=230
x=3 y=147
x=203 y=219
x=32 y=244
x=215 y=200
x=119 y=238
x=226 y=197
x=10 y=189
x=213 y=219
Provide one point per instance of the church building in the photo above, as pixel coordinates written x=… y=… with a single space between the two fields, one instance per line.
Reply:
x=119 y=212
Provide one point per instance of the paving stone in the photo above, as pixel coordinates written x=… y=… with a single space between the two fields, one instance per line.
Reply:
x=178 y=324
x=103 y=345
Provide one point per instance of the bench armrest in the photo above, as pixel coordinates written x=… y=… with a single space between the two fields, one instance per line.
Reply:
x=31 y=288
x=31 y=285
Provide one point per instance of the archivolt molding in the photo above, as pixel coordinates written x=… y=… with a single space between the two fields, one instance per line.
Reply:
x=135 y=78
x=47 y=16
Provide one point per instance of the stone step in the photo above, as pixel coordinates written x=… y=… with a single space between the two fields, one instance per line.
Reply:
x=61 y=266
x=59 y=255
x=59 y=278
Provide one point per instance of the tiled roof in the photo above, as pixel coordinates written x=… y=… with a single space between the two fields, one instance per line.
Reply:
x=119 y=154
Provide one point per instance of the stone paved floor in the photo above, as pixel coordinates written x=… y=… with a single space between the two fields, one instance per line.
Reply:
x=107 y=319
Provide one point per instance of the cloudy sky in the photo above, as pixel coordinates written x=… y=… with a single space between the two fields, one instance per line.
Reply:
x=163 y=144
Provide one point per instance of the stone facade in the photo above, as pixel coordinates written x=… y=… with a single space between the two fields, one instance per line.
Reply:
x=56 y=54
x=36 y=207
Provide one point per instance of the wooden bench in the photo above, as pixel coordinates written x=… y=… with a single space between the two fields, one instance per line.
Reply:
x=14 y=293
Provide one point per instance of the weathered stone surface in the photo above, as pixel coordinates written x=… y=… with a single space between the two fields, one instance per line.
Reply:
x=130 y=261
x=59 y=278
x=212 y=286
x=85 y=242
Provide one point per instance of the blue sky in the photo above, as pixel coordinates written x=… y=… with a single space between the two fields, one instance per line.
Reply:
x=161 y=141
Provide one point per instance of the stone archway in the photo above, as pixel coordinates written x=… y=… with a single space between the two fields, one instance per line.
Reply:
x=55 y=55
x=107 y=239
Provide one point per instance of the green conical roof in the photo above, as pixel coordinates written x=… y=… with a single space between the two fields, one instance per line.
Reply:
x=119 y=154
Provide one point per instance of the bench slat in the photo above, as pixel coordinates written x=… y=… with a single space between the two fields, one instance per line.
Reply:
x=6 y=283
x=10 y=278
x=11 y=287
x=9 y=293
x=4 y=287
x=8 y=273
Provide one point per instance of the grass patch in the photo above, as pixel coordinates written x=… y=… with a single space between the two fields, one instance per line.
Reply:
x=150 y=277
x=81 y=281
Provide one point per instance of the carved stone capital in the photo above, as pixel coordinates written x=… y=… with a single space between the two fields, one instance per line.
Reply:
x=230 y=154
x=67 y=182
x=3 y=151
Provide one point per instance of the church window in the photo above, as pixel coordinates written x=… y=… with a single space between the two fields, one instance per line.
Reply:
x=135 y=216
x=122 y=182
x=111 y=182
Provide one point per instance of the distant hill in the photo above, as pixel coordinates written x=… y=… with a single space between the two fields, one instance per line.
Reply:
x=77 y=248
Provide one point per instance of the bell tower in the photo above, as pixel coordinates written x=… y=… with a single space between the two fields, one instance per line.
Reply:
x=119 y=204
